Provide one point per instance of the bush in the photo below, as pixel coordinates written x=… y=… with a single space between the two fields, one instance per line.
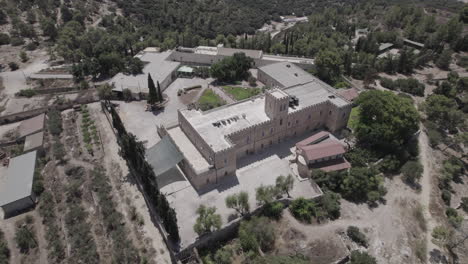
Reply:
x=357 y=236
x=4 y=39
x=358 y=257
x=16 y=41
x=303 y=209
x=446 y=196
x=252 y=81
x=453 y=217
x=25 y=239
x=55 y=122
x=412 y=171
x=27 y=93
x=329 y=203
x=273 y=210
x=464 y=204
x=31 y=46
x=257 y=233
x=13 y=66
x=387 y=83
x=4 y=250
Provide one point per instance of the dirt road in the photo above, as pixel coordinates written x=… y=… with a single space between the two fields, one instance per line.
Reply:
x=425 y=154
x=14 y=81
x=112 y=158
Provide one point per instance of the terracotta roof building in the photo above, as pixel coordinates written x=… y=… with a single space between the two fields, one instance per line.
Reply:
x=321 y=151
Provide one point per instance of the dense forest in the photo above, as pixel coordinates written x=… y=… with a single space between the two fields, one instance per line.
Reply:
x=101 y=37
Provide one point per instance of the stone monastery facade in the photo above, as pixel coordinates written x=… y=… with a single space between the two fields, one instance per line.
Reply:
x=212 y=142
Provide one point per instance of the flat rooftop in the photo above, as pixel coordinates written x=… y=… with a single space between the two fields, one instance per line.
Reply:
x=287 y=74
x=236 y=116
x=32 y=125
x=189 y=151
x=279 y=58
x=254 y=54
x=244 y=114
x=315 y=92
x=157 y=66
x=33 y=141
x=19 y=179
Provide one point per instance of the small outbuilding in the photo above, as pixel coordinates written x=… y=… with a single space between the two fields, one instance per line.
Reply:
x=185 y=72
x=321 y=151
x=16 y=192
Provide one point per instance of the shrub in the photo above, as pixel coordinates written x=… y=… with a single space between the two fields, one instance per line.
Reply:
x=13 y=66
x=4 y=250
x=357 y=236
x=273 y=210
x=25 y=239
x=358 y=257
x=329 y=203
x=256 y=233
x=387 y=83
x=23 y=56
x=412 y=171
x=31 y=46
x=55 y=122
x=252 y=81
x=16 y=41
x=27 y=93
x=303 y=209
x=464 y=204
x=4 y=39
x=446 y=196
x=453 y=217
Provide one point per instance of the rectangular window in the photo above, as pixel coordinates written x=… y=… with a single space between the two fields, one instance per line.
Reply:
x=281 y=122
x=289 y=124
x=309 y=117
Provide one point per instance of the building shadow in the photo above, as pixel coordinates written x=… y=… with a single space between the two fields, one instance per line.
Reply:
x=282 y=150
x=224 y=184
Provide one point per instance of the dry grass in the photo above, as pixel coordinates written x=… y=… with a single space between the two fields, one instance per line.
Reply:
x=420 y=249
x=418 y=213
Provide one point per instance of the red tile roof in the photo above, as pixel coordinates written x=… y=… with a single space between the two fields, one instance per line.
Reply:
x=349 y=94
x=322 y=150
x=332 y=165
x=313 y=139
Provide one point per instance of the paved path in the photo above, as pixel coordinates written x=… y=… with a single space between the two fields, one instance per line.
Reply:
x=220 y=92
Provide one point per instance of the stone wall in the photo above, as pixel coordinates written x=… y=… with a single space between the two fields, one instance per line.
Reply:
x=196 y=139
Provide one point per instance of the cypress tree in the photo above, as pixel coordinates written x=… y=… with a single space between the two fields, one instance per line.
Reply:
x=153 y=95
x=160 y=95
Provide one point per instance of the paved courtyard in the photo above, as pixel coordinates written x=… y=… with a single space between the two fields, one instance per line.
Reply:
x=143 y=123
x=254 y=171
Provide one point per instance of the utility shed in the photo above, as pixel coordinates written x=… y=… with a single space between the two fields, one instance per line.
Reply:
x=16 y=192
x=31 y=126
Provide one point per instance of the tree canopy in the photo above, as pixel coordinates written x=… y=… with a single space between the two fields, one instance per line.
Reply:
x=231 y=69
x=386 y=121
